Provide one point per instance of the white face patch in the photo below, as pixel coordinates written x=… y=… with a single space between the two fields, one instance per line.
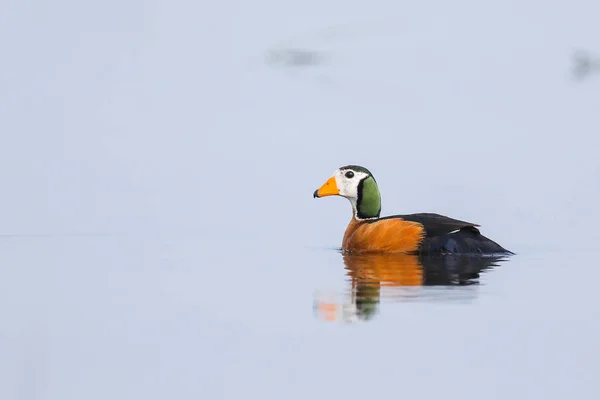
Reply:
x=347 y=181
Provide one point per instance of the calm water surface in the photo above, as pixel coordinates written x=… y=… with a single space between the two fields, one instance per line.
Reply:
x=181 y=317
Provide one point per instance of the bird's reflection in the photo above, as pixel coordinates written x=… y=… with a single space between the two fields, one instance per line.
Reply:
x=402 y=277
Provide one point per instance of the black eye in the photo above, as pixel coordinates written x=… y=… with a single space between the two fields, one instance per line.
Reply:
x=349 y=174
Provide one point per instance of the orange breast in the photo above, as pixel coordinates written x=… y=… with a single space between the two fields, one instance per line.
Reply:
x=393 y=235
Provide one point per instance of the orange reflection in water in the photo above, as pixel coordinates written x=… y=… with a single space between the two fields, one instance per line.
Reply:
x=370 y=273
x=384 y=269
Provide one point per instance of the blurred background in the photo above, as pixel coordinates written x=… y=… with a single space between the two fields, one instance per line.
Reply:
x=158 y=235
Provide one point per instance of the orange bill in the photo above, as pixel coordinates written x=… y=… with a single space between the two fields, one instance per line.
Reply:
x=329 y=188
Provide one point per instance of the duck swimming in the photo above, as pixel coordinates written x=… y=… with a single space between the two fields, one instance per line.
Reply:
x=424 y=233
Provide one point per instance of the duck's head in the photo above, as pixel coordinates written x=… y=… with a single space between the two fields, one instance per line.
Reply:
x=357 y=184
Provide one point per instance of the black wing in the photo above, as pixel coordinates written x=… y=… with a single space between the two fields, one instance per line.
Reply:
x=436 y=224
x=445 y=235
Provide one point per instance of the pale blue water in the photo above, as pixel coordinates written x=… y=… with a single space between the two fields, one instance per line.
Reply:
x=159 y=238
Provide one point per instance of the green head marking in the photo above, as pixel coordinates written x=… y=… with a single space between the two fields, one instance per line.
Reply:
x=368 y=204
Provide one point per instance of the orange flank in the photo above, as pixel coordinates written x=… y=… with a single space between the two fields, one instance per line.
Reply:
x=393 y=235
